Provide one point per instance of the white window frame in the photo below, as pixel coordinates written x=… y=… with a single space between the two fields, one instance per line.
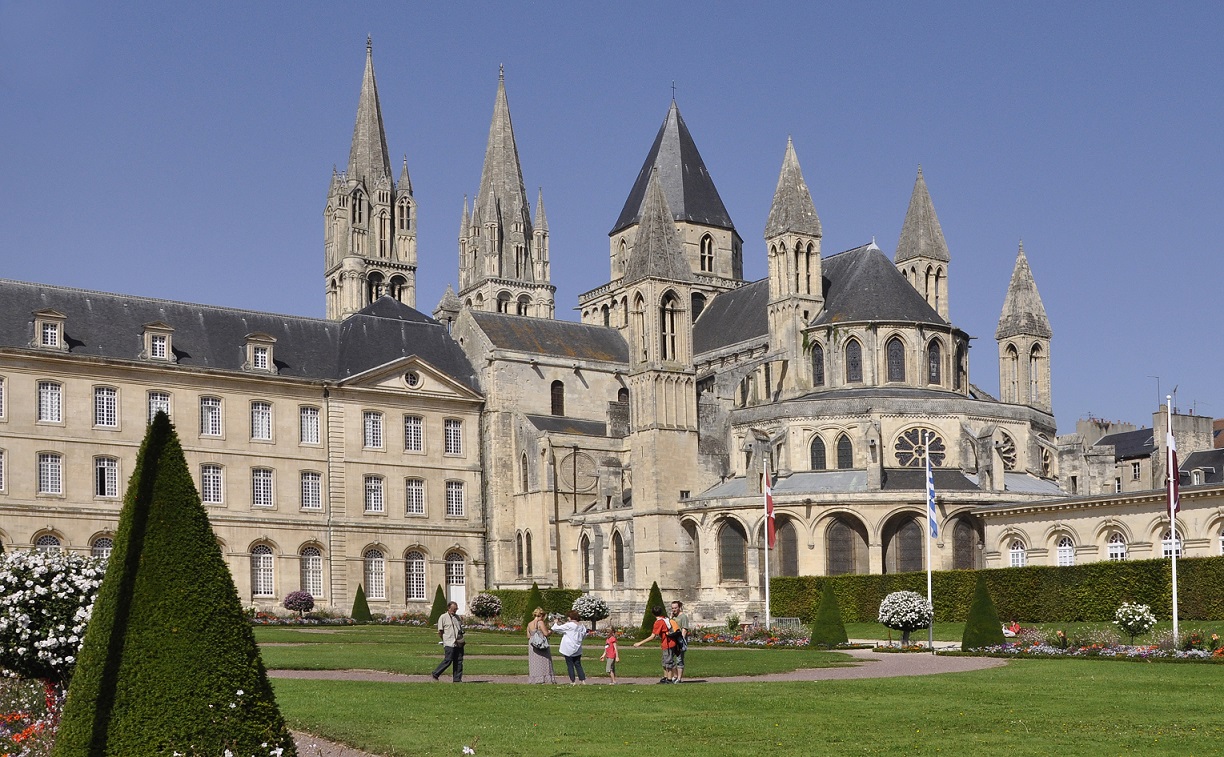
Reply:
x=48 y=543
x=311 y=570
x=261 y=421
x=456 y=507
x=261 y=356
x=414 y=496
x=2 y=403
x=372 y=429
x=106 y=407
x=309 y=428
x=1136 y=470
x=456 y=573
x=106 y=477
x=374 y=571
x=49 y=334
x=1 y=470
x=452 y=435
x=50 y=407
x=263 y=487
x=155 y=401
x=50 y=473
x=414 y=576
x=102 y=547
x=159 y=346
x=1017 y=554
x=1118 y=485
x=212 y=417
x=1065 y=548
x=312 y=490
x=263 y=571
x=375 y=494
x=1167 y=546
x=1115 y=548
x=212 y=484
x=414 y=433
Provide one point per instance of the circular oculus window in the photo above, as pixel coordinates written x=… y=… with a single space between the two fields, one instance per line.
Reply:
x=412 y=379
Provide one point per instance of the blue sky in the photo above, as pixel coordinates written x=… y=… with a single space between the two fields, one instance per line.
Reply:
x=184 y=151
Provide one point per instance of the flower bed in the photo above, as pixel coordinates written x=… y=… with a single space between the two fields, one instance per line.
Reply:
x=1120 y=652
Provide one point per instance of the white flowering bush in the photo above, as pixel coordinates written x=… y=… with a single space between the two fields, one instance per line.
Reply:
x=1134 y=619
x=590 y=607
x=905 y=611
x=486 y=606
x=46 y=599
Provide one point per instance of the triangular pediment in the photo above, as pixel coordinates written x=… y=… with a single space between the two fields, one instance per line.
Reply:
x=411 y=376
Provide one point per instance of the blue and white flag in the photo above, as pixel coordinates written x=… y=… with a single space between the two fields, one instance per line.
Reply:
x=932 y=517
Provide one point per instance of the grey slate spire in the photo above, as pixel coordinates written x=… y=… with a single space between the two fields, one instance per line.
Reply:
x=792 y=209
x=541 y=221
x=501 y=196
x=465 y=220
x=405 y=182
x=921 y=235
x=368 y=157
x=656 y=251
x=690 y=191
x=1023 y=311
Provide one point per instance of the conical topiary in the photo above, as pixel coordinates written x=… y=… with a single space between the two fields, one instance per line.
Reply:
x=439 y=606
x=534 y=599
x=982 y=627
x=361 y=608
x=828 y=630
x=655 y=599
x=169 y=662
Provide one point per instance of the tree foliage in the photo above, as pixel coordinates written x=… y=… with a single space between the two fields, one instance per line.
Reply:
x=828 y=630
x=653 y=600
x=983 y=627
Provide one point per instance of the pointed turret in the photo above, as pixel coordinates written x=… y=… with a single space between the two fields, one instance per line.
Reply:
x=368 y=157
x=404 y=184
x=448 y=307
x=792 y=210
x=541 y=221
x=657 y=251
x=1023 y=311
x=922 y=252
x=502 y=195
x=1024 y=335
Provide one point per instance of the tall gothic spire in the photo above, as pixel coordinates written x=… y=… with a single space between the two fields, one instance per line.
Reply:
x=1023 y=311
x=921 y=235
x=656 y=250
x=368 y=157
x=501 y=195
x=792 y=209
x=405 y=182
x=541 y=221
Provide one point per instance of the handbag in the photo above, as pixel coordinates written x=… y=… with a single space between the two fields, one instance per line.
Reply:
x=539 y=641
x=459 y=640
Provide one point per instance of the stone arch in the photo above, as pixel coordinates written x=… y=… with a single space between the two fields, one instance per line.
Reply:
x=853 y=351
x=732 y=540
x=901 y=539
x=846 y=544
x=934 y=361
x=894 y=351
x=817 y=454
x=818 y=364
x=968 y=539
x=691 y=545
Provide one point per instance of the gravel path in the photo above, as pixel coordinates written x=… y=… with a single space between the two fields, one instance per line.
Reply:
x=870 y=665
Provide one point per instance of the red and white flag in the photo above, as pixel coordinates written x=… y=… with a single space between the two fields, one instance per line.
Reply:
x=769 y=511
x=1174 y=477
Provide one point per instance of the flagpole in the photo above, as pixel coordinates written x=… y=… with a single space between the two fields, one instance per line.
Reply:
x=1171 y=486
x=930 y=490
x=765 y=537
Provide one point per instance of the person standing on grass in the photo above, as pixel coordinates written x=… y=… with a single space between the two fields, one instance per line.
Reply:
x=573 y=632
x=659 y=631
x=539 y=651
x=681 y=619
x=450 y=630
x=611 y=656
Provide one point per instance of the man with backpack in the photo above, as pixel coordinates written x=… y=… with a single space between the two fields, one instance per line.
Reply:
x=670 y=636
x=680 y=619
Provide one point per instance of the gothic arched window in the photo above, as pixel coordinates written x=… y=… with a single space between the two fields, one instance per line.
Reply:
x=558 y=398
x=523 y=470
x=845 y=453
x=854 y=362
x=1035 y=373
x=732 y=552
x=1011 y=372
x=527 y=551
x=934 y=363
x=668 y=317
x=964 y=546
x=707 y=253
x=584 y=552
x=841 y=546
x=818 y=454
x=699 y=303
x=618 y=558
x=518 y=554
x=787 y=550
x=818 y=366
x=959 y=371
x=896 y=359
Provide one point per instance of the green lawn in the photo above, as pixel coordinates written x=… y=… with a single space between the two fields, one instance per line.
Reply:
x=1029 y=707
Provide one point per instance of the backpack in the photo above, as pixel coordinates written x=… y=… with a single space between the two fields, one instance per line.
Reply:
x=674 y=633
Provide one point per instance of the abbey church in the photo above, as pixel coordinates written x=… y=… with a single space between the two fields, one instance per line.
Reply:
x=491 y=445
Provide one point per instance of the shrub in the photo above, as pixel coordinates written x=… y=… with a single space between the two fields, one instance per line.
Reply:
x=1134 y=619
x=45 y=601
x=534 y=600
x=486 y=606
x=439 y=606
x=655 y=599
x=828 y=630
x=733 y=623
x=299 y=602
x=905 y=611
x=361 y=608
x=590 y=607
x=169 y=662
x=983 y=628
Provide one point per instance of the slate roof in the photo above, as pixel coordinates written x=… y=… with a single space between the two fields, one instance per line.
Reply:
x=1023 y=311
x=656 y=251
x=792 y=209
x=562 y=425
x=690 y=191
x=884 y=392
x=808 y=482
x=1129 y=444
x=543 y=336
x=1209 y=458
x=111 y=326
x=921 y=234
x=946 y=479
x=732 y=317
x=863 y=285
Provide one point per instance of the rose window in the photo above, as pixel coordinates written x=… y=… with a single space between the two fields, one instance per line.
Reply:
x=913 y=446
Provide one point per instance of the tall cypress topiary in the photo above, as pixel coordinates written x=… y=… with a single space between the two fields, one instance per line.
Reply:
x=655 y=599
x=828 y=630
x=982 y=627
x=439 y=606
x=169 y=662
x=361 y=608
x=534 y=599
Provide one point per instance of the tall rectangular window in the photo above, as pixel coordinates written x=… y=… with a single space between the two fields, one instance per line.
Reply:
x=261 y=487
x=414 y=574
x=454 y=499
x=106 y=477
x=157 y=346
x=414 y=435
x=414 y=496
x=259 y=358
x=50 y=402
x=308 y=423
x=312 y=490
x=312 y=571
x=261 y=421
x=374 y=494
x=158 y=401
x=50 y=473
x=106 y=406
x=210 y=484
x=1135 y=471
x=50 y=334
x=210 y=416
x=1 y=396
x=453 y=438
x=1 y=470
x=372 y=429
x=263 y=582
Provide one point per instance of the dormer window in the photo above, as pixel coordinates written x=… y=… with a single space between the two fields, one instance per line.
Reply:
x=157 y=344
x=49 y=330
x=259 y=355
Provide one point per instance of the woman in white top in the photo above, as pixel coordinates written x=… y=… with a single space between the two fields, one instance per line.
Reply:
x=573 y=632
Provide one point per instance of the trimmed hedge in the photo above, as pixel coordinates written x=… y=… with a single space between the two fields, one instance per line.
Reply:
x=439 y=606
x=828 y=630
x=655 y=599
x=361 y=608
x=983 y=628
x=1034 y=594
x=514 y=601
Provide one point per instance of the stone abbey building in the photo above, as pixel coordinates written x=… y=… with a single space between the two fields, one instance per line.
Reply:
x=492 y=445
